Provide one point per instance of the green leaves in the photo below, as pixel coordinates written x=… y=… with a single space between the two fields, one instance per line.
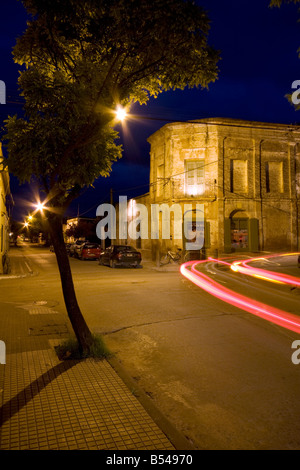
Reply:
x=82 y=59
x=278 y=3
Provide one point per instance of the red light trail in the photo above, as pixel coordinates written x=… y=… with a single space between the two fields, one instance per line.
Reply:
x=242 y=267
x=271 y=314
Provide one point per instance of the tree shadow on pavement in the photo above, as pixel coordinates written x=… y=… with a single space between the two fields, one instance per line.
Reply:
x=19 y=401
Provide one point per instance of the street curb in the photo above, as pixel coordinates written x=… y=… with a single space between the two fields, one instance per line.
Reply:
x=168 y=268
x=179 y=441
x=30 y=273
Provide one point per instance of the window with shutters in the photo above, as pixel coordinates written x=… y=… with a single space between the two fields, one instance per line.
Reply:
x=274 y=177
x=238 y=176
x=194 y=177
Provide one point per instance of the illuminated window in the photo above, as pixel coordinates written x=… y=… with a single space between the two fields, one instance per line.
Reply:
x=194 y=177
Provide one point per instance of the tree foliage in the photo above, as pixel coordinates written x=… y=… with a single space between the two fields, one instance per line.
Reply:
x=82 y=59
x=278 y=3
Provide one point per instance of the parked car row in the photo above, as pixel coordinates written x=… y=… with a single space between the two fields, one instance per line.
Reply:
x=85 y=250
x=114 y=255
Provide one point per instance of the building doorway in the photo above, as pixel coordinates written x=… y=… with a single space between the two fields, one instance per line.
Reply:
x=239 y=234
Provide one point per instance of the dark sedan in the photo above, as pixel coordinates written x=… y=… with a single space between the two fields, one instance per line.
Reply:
x=121 y=255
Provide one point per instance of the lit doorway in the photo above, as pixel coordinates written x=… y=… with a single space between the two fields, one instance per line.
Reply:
x=239 y=234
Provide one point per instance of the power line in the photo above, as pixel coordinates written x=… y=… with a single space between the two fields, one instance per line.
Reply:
x=93 y=207
x=223 y=188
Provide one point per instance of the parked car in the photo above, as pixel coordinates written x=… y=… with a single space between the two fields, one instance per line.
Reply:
x=120 y=255
x=90 y=251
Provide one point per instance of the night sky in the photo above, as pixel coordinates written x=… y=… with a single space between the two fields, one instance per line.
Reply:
x=259 y=62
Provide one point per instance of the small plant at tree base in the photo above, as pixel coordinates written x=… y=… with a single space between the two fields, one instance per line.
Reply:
x=70 y=349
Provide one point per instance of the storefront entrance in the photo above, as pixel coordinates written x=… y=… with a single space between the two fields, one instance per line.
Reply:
x=240 y=234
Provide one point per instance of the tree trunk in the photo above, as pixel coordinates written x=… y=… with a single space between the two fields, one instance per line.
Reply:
x=81 y=330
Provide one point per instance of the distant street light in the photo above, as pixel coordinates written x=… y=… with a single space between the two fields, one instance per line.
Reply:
x=40 y=206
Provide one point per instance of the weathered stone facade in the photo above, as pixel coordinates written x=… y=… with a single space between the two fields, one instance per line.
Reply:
x=247 y=175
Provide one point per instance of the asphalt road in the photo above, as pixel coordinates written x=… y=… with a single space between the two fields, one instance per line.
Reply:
x=222 y=376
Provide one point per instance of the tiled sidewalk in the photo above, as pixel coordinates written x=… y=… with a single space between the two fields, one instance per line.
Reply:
x=73 y=405
x=49 y=404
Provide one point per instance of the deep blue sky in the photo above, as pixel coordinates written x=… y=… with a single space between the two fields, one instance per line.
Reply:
x=259 y=63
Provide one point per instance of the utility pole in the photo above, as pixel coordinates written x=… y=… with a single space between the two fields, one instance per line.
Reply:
x=112 y=204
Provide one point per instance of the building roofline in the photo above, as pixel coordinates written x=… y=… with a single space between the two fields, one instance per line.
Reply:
x=243 y=123
x=230 y=122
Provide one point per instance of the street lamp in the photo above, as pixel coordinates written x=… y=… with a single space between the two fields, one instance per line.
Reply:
x=121 y=113
x=40 y=206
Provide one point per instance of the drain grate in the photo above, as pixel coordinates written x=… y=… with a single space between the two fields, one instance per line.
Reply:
x=41 y=311
x=41 y=307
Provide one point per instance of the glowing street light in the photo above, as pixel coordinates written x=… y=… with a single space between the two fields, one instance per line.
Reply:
x=40 y=206
x=121 y=113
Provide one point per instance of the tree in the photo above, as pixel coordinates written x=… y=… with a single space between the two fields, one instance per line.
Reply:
x=16 y=229
x=278 y=3
x=82 y=58
x=36 y=226
x=84 y=229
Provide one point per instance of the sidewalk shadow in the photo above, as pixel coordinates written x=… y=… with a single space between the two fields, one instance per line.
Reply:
x=15 y=404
